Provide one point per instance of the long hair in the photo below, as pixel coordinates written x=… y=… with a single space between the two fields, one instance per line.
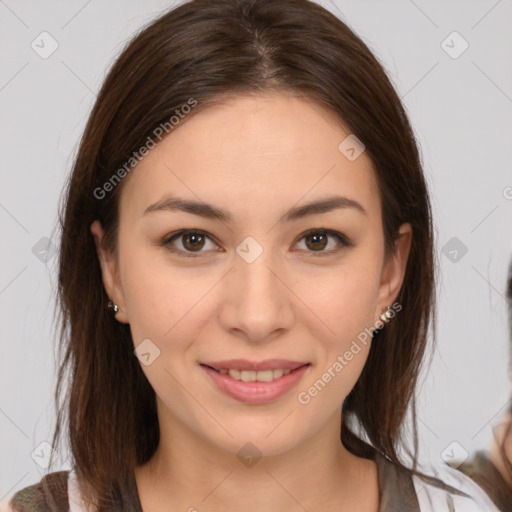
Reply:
x=205 y=50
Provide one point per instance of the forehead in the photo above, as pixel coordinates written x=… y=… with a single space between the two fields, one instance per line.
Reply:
x=249 y=152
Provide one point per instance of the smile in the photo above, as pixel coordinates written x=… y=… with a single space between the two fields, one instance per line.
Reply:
x=255 y=386
x=253 y=376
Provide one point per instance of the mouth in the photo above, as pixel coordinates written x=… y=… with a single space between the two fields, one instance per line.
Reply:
x=268 y=375
x=255 y=383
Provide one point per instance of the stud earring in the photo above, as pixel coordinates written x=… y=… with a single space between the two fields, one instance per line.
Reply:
x=387 y=315
x=114 y=308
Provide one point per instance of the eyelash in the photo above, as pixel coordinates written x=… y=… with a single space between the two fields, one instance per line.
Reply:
x=343 y=240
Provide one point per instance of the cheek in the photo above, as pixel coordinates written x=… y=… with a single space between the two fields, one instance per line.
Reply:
x=166 y=303
x=158 y=309
x=343 y=299
x=345 y=302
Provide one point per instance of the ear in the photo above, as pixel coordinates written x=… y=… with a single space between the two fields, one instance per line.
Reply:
x=109 y=271
x=393 y=273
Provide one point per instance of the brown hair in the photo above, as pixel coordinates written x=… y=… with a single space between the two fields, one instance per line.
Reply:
x=204 y=50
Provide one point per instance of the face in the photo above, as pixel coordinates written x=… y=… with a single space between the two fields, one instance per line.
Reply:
x=264 y=280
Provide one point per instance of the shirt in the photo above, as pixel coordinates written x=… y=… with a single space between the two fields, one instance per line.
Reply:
x=400 y=491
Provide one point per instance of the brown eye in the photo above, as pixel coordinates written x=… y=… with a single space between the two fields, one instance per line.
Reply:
x=192 y=243
x=316 y=241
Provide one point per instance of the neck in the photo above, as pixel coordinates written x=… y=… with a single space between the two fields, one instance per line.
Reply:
x=192 y=473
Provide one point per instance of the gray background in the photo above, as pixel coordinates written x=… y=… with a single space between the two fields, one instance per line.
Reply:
x=460 y=108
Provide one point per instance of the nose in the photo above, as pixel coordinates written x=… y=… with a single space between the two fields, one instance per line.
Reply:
x=257 y=302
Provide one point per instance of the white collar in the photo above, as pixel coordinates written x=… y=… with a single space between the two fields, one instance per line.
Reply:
x=434 y=499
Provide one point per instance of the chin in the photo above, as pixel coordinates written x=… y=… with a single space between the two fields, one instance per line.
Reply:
x=257 y=438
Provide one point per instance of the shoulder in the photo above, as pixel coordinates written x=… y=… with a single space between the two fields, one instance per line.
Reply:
x=459 y=492
x=49 y=494
x=434 y=489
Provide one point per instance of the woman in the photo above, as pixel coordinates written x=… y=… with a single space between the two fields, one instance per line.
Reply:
x=246 y=276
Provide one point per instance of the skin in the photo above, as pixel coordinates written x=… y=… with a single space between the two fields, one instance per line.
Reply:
x=496 y=453
x=257 y=157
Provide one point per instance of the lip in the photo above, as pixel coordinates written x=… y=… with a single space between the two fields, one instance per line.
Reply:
x=256 y=392
x=244 y=364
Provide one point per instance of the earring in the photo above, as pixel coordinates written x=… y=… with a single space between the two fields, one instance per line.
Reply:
x=387 y=315
x=114 y=308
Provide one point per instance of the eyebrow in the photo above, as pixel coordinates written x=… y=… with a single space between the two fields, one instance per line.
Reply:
x=212 y=212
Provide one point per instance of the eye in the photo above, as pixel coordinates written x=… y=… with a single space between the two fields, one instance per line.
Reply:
x=193 y=241
x=316 y=240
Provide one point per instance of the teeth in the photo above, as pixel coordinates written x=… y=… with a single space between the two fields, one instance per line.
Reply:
x=253 y=376
x=235 y=374
x=279 y=373
x=248 y=376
